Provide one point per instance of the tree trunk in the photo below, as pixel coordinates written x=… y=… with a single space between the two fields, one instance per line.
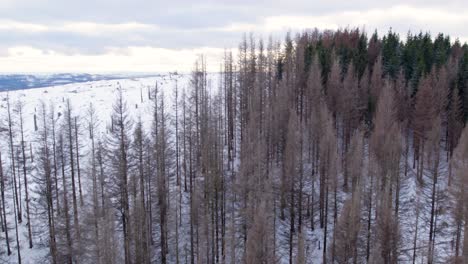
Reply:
x=72 y=169
x=77 y=145
x=13 y=166
x=65 y=206
x=2 y=185
x=23 y=152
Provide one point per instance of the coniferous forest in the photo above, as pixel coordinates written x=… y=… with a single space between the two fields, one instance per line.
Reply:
x=322 y=147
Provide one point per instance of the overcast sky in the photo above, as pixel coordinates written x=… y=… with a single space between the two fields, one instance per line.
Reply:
x=155 y=35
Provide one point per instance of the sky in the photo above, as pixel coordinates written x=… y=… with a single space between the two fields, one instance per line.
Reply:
x=99 y=36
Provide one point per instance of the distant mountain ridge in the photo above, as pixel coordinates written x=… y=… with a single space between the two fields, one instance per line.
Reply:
x=10 y=82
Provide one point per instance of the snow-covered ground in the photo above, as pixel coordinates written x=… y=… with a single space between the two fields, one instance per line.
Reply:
x=102 y=95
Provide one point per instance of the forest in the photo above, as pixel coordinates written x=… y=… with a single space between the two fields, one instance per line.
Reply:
x=323 y=147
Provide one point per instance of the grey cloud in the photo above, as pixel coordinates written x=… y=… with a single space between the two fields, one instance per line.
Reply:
x=76 y=43
x=180 y=24
x=189 y=13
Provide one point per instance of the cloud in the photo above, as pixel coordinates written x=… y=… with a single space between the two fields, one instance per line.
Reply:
x=85 y=28
x=89 y=28
x=130 y=59
x=399 y=18
x=10 y=25
x=101 y=31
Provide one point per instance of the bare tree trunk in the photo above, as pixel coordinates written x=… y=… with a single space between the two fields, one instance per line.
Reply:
x=12 y=156
x=72 y=169
x=369 y=216
x=96 y=216
x=18 y=247
x=102 y=179
x=1 y=215
x=421 y=166
x=77 y=145
x=124 y=185
x=18 y=167
x=149 y=208
x=2 y=185
x=301 y=182
x=54 y=154
x=23 y=152
x=177 y=231
x=177 y=133
x=433 y=209
x=192 y=250
x=335 y=217
x=291 y=225
x=65 y=205
x=458 y=234
x=325 y=228
x=465 y=241
x=322 y=200
x=48 y=188
x=31 y=152
x=415 y=240
x=162 y=184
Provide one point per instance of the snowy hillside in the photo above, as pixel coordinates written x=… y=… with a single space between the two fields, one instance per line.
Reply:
x=9 y=82
x=102 y=95
x=204 y=185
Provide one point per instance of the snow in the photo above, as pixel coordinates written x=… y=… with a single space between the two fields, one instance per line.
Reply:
x=102 y=95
